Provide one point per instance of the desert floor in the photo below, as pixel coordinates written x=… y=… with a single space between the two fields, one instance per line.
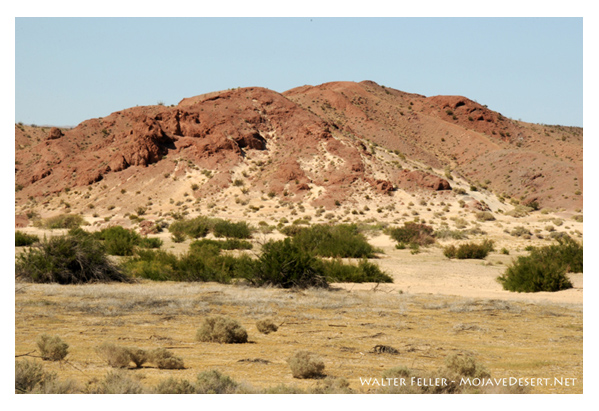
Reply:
x=435 y=307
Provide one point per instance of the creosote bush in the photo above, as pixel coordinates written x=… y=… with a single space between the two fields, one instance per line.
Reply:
x=52 y=348
x=285 y=264
x=72 y=259
x=412 y=233
x=469 y=250
x=266 y=326
x=118 y=240
x=364 y=272
x=545 y=268
x=221 y=329
x=304 y=364
x=326 y=240
x=23 y=239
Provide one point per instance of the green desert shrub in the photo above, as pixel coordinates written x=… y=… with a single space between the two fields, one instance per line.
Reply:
x=150 y=242
x=284 y=264
x=214 y=382
x=63 y=221
x=304 y=364
x=165 y=359
x=118 y=240
x=545 y=268
x=24 y=239
x=412 y=233
x=228 y=244
x=266 y=326
x=341 y=240
x=52 y=348
x=222 y=330
x=224 y=228
x=202 y=263
x=194 y=228
x=364 y=272
x=157 y=265
x=469 y=250
x=71 y=259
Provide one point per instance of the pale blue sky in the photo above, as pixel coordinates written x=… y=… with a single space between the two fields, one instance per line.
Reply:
x=70 y=69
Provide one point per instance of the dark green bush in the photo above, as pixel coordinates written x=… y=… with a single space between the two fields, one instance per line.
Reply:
x=469 y=250
x=150 y=242
x=118 y=240
x=24 y=239
x=413 y=233
x=228 y=244
x=285 y=264
x=224 y=228
x=194 y=228
x=545 y=268
x=342 y=240
x=202 y=263
x=364 y=272
x=71 y=259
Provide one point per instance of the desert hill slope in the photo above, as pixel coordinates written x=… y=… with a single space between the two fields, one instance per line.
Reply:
x=320 y=146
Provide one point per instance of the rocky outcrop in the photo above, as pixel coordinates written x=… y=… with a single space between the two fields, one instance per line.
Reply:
x=411 y=180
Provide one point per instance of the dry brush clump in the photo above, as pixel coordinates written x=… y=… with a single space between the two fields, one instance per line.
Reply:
x=304 y=364
x=469 y=250
x=165 y=359
x=31 y=378
x=121 y=357
x=52 y=348
x=221 y=329
x=266 y=326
